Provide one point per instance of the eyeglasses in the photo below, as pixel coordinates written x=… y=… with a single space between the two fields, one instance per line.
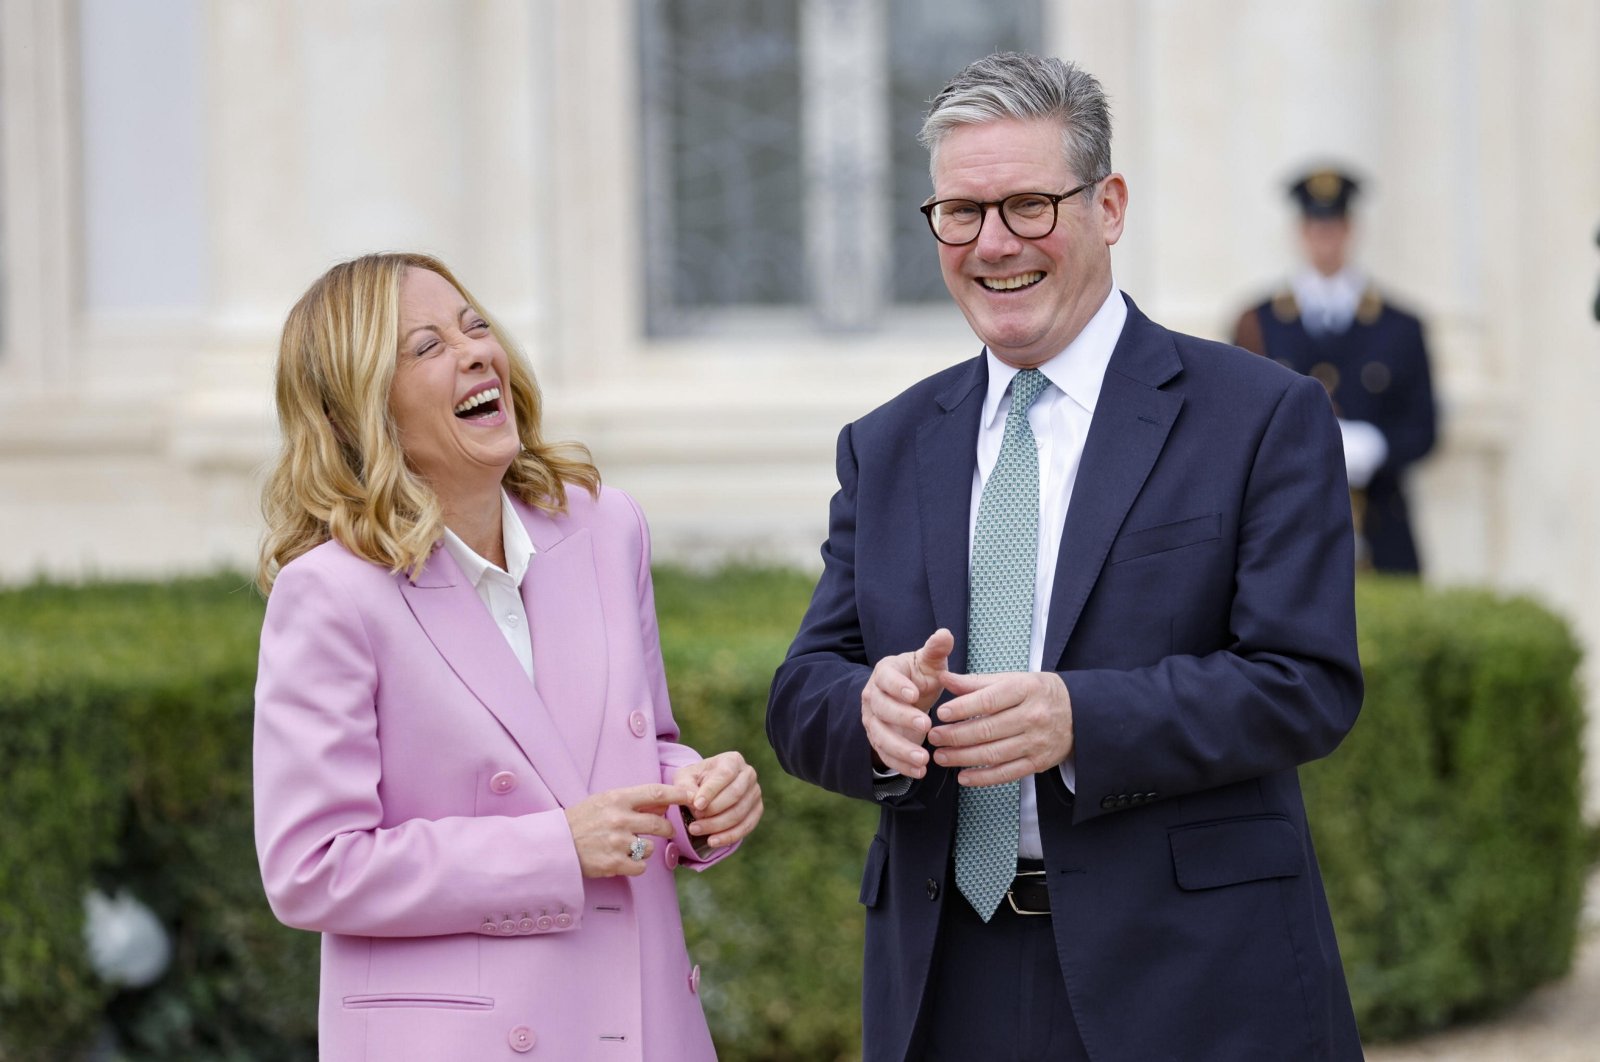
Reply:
x=1030 y=215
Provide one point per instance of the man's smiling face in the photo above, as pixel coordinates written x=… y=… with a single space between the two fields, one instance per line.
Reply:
x=1027 y=299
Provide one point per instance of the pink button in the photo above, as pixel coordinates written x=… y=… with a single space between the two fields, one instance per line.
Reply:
x=508 y=927
x=563 y=921
x=503 y=783
x=489 y=926
x=669 y=853
x=525 y=925
x=521 y=1039
x=545 y=923
x=636 y=723
x=694 y=979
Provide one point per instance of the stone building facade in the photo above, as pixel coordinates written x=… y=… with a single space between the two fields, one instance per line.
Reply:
x=699 y=220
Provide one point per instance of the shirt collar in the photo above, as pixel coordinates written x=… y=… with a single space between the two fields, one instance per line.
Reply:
x=1341 y=291
x=1078 y=370
x=518 y=546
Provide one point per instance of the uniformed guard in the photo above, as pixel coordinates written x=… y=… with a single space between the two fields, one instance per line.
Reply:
x=1331 y=323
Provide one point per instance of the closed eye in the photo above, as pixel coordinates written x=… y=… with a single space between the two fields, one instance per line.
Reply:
x=1027 y=206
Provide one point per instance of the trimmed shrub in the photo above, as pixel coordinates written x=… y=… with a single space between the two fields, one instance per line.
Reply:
x=125 y=715
x=1448 y=824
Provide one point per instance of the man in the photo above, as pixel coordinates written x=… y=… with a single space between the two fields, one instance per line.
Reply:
x=1127 y=554
x=1331 y=323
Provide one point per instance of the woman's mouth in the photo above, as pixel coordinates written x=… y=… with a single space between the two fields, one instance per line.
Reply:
x=479 y=406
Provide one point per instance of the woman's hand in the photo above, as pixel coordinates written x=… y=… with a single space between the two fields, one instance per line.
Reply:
x=726 y=798
x=605 y=826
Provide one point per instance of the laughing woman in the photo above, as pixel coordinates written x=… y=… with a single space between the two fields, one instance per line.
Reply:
x=467 y=774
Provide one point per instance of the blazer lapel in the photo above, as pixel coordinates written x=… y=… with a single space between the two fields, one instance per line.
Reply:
x=1131 y=422
x=947 y=456
x=454 y=619
x=562 y=595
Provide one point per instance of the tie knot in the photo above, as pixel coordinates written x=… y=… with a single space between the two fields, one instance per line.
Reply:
x=1026 y=386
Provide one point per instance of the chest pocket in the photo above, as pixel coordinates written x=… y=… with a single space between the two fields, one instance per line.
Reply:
x=1163 y=538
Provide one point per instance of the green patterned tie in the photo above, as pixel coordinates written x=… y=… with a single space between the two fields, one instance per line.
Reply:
x=1005 y=560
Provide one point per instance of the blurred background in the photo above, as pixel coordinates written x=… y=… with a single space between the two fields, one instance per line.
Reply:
x=699 y=219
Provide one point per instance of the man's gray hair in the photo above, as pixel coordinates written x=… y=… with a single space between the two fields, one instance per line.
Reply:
x=1013 y=85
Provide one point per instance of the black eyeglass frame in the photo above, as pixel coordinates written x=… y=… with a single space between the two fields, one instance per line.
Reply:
x=983 y=212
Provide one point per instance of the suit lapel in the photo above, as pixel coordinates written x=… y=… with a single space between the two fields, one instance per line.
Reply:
x=455 y=621
x=562 y=596
x=1131 y=422
x=946 y=459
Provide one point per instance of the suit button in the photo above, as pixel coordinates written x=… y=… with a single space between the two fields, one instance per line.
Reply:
x=503 y=783
x=1107 y=803
x=933 y=889
x=489 y=926
x=521 y=1039
x=508 y=927
x=694 y=979
x=669 y=854
x=563 y=921
x=636 y=723
x=545 y=923
x=525 y=924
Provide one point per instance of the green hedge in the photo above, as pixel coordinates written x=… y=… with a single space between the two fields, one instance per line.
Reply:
x=1447 y=825
x=125 y=762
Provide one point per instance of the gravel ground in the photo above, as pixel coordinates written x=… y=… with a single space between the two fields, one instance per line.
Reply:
x=1557 y=1023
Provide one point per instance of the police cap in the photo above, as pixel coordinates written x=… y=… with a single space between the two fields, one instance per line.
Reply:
x=1325 y=193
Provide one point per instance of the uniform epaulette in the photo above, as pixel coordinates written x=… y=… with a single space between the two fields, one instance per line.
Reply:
x=1284 y=306
x=1370 y=308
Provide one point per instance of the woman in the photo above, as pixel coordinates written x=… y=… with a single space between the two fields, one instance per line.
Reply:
x=467 y=775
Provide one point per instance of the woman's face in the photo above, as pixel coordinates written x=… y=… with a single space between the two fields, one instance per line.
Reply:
x=450 y=398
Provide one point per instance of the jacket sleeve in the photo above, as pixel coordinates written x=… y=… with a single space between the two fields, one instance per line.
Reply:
x=672 y=753
x=1410 y=429
x=1287 y=687
x=328 y=861
x=814 y=708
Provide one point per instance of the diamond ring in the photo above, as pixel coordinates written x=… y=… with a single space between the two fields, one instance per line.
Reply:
x=636 y=850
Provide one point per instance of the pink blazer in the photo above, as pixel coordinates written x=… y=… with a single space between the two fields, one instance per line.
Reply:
x=409 y=787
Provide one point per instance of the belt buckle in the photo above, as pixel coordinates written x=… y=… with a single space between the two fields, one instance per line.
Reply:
x=1012 y=900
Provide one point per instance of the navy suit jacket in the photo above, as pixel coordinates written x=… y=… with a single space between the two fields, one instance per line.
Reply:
x=1203 y=621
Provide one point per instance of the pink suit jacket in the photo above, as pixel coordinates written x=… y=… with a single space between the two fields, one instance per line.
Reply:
x=409 y=787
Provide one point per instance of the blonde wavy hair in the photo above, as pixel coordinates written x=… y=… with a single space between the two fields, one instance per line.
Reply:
x=341 y=473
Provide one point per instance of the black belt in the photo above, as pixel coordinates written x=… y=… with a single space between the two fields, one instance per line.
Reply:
x=1028 y=894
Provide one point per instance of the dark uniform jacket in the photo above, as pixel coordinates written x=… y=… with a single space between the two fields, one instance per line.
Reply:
x=1376 y=371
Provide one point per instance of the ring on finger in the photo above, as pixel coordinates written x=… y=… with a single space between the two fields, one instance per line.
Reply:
x=638 y=849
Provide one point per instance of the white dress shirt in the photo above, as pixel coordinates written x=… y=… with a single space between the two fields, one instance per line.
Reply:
x=1060 y=419
x=499 y=589
x=1327 y=304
